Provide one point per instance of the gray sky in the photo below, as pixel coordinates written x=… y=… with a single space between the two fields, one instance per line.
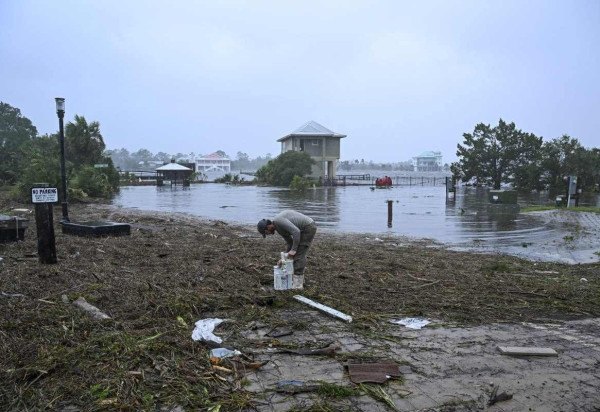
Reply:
x=398 y=77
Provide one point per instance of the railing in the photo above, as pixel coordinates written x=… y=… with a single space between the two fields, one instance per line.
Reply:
x=366 y=179
x=418 y=181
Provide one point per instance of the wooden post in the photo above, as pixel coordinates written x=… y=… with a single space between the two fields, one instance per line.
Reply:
x=44 y=222
x=390 y=203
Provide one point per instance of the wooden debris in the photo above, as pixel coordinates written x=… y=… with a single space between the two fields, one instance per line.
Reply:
x=93 y=311
x=293 y=387
x=377 y=372
x=527 y=351
x=326 y=351
x=221 y=369
x=321 y=307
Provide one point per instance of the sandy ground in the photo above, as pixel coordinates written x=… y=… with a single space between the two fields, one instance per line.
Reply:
x=174 y=270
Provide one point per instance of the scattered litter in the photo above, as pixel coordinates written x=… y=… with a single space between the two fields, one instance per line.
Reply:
x=377 y=240
x=583 y=280
x=279 y=332
x=411 y=323
x=329 y=350
x=64 y=298
x=93 y=311
x=204 y=328
x=296 y=386
x=224 y=353
x=496 y=397
x=527 y=351
x=377 y=372
x=323 y=308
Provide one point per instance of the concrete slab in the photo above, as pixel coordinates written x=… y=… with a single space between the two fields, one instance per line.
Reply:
x=444 y=368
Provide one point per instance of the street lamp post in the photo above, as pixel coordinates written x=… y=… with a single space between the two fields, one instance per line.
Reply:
x=60 y=111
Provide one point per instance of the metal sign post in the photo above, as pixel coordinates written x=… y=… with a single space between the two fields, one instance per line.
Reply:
x=450 y=189
x=571 y=189
x=43 y=197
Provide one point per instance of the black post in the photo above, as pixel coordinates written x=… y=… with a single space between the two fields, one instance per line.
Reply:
x=44 y=223
x=390 y=203
x=63 y=173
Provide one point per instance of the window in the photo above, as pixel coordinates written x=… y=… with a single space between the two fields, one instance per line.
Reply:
x=315 y=142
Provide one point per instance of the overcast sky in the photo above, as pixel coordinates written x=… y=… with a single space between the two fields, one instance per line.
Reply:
x=398 y=77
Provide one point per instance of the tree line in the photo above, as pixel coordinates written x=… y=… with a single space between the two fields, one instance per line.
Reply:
x=503 y=154
x=27 y=157
x=144 y=159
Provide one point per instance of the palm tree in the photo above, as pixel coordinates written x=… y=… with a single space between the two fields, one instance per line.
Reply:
x=83 y=142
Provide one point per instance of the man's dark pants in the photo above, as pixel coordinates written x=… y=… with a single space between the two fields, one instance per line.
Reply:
x=306 y=238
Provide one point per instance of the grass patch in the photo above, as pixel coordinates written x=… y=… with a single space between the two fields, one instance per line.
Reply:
x=331 y=390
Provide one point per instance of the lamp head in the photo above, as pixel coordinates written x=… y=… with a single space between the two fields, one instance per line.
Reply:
x=60 y=104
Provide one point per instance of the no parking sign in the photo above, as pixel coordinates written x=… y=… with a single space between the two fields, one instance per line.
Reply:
x=44 y=195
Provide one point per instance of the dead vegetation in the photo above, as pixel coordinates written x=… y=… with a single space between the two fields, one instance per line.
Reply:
x=175 y=270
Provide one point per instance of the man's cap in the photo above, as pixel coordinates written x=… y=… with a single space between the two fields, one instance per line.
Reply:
x=262 y=226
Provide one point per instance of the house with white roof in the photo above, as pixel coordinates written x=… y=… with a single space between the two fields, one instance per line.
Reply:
x=428 y=162
x=322 y=144
x=174 y=172
x=213 y=162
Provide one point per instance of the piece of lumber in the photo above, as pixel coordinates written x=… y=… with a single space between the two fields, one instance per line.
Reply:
x=527 y=351
x=93 y=311
x=326 y=351
x=326 y=309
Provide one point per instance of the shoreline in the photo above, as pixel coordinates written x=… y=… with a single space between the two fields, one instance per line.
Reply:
x=582 y=227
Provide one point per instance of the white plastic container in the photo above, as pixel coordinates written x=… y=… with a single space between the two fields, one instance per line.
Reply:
x=283 y=275
x=281 y=280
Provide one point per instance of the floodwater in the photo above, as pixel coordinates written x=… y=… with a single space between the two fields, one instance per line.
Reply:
x=418 y=211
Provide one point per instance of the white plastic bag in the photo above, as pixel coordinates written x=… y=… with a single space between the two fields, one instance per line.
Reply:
x=411 y=323
x=204 y=328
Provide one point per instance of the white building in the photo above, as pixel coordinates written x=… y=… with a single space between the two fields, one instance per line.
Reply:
x=428 y=162
x=213 y=162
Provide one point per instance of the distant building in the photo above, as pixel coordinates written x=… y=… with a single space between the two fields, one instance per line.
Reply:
x=320 y=143
x=174 y=172
x=213 y=162
x=428 y=162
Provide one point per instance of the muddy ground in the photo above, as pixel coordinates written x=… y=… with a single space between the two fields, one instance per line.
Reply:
x=174 y=270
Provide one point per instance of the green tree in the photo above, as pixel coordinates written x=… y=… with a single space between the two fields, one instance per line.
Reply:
x=143 y=156
x=502 y=154
x=281 y=170
x=565 y=156
x=15 y=131
x=84 y=144
x=299 y=184
x=43 y=165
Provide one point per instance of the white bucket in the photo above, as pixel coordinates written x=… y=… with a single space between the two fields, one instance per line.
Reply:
x=283 y=275
x=281 y=280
